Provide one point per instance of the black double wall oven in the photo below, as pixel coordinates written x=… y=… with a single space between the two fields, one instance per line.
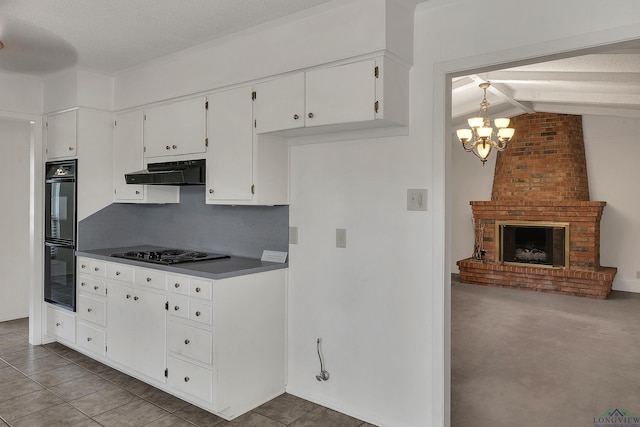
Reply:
x=60 y=234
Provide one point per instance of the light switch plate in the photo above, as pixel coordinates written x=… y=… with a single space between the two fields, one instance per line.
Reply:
x=417 y=199
x=293 y=235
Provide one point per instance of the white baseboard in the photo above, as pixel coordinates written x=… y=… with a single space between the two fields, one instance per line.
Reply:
x=626 y=285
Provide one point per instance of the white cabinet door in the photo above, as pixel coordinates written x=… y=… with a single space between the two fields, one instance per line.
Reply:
x=230 y=155
x=280 y=104
x=136 y=329
x=176 y=128
x=62 y=135
x=128 y=154
x=342 y=94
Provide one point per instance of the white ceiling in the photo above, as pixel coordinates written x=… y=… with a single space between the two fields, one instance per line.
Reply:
x=44 y=36
x=604 y=83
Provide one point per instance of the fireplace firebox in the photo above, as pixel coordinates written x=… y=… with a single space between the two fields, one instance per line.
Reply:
x=544 y=244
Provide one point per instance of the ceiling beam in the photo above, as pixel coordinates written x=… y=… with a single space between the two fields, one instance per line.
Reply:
x=505 y=94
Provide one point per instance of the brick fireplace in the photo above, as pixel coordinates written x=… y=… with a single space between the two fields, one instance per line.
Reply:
x=540 y=210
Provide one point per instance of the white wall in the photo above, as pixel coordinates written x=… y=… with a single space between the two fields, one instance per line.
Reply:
x=612 y=150
x=15 y=138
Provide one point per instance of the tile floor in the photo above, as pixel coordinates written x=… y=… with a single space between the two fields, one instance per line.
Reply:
x=52 y=385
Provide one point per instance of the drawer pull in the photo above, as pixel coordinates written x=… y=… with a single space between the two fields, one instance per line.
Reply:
x=82 y=284
x=198 y=313
x=83 y=266
x=89 y=310
x=176 y=308
x=136 y=298
x=148 y=279
x=186 y=342
x=296 y=117
x=89 y=339
x=95 y=288
x=186 y=379
x=174 y=146
x=167 y=147
x=117 y=273
x=96 y=269
x=198 y=289
x=58 y=324
x=128 y=296
x=177 y=285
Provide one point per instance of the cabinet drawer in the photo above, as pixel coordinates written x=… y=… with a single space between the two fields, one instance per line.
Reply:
x=120 y=272
x=91 y=338
x=61 y=324
x=190 y=342
x=151 y=278
x=201 y=289
x=178 y=284
x=190 y=379
x=92 y=310
x=179 y=307
x=202 y=313
x=92 y=267
x=93 y=285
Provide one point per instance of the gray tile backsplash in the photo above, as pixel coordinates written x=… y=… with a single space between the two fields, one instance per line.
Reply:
x=191 y=224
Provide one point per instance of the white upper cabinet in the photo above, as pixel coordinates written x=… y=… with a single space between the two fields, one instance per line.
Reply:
x=175 y=129
x=280 y=104
x=128 y=157
x=61 y=131
x=359 y=95
x=230 y=154
x=342 y=94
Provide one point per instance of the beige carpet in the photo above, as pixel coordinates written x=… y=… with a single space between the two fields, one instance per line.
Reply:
x=522 y=358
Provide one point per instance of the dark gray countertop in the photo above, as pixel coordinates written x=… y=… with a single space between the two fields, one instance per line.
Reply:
x=215 y=269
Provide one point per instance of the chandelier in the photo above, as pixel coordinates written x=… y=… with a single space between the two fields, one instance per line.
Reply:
x=481 y=138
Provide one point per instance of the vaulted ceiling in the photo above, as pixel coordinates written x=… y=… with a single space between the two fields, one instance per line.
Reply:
x=604 y=83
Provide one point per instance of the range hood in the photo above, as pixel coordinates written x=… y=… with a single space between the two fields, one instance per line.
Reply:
x=184 y=172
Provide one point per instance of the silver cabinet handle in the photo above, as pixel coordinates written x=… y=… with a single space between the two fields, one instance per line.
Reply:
x=95 y=288
x=174 y=147
x=186 y=379
x=187 y=342
x=168 y=147
x=148 y=279
x=128 y=296
x=176 y=308
x=83 y=266
x=177 y=285
x=136 y=298
x=117 y=273
x=296 y=117
x=89 y=339
x=70 y=148
x=310 y=115
x=198 y=289
x=198 y=313
x=89 y=310
x=211 y=191
x=82 y=283
x=96 y=269
x=58 y=324
x=137 y=192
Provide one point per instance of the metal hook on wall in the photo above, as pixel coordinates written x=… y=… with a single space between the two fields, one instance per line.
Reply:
x=323 y=375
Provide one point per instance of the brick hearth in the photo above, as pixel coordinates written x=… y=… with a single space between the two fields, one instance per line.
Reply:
x=542 y=176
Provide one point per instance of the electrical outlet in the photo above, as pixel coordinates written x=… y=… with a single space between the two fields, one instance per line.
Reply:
x=417 y=199
x=293 y=235
x=341 y=237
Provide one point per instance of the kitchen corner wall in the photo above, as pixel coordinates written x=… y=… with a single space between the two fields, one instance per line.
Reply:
x=191 y=224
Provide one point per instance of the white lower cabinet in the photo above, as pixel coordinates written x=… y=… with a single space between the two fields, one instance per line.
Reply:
x=61 y=324
x=218 y=344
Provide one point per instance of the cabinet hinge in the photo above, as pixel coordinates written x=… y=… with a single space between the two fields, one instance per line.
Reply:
x=206 y=105
x=376 y=106
x=206 y=142
x=253 y=189
x=166 y=305
x=166 y=373
x=253 y=95
x=376 y=72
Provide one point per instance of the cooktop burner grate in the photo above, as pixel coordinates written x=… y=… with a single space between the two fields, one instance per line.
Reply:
x=169 y=256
